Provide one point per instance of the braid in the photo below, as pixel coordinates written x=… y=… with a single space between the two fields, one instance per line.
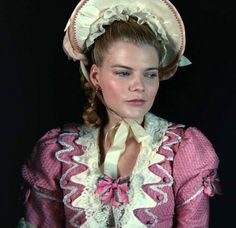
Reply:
x=90 y=115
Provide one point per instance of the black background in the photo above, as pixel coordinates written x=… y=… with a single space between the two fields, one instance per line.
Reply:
x=40 y=89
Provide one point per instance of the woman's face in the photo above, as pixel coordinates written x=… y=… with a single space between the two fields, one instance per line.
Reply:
x=128 y=79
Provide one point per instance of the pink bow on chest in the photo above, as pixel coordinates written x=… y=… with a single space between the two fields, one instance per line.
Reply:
x=113 y=190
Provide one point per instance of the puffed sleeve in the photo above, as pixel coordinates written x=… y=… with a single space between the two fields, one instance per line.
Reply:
x=194 y=171
x=43 y=197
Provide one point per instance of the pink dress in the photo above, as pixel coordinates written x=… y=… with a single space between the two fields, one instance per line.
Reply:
x=62 y=175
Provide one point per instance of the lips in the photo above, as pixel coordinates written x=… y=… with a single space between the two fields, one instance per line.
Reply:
x=136 y=102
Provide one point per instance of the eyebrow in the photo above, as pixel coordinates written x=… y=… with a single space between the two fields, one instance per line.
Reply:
x=130 y=68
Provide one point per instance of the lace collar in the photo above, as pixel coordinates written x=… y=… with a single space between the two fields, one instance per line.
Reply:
x=97 y=213
x=154 y=126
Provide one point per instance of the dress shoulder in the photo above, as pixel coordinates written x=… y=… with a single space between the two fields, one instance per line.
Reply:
x=42 y=169
x=43 y=172
x=196 y=150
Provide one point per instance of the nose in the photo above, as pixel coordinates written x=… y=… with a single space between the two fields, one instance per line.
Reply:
x=136 y=83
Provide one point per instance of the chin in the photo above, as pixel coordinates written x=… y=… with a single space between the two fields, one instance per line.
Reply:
x=136 y=116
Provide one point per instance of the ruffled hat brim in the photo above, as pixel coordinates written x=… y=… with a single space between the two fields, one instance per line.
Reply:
x=89 y=17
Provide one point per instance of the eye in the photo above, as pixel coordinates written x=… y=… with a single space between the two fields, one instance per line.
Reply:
x=151 y=75
x=122 y=73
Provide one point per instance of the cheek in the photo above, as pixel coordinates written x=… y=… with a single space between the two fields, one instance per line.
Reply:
x=111 y=89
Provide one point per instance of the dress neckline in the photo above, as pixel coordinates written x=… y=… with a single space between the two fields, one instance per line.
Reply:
x=97 y=212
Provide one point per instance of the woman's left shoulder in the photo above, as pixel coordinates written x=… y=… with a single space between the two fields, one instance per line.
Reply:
x=195 y=161
x=181 y=142
x=195 y=146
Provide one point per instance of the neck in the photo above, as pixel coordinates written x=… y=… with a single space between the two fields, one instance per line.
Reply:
x=113 y=119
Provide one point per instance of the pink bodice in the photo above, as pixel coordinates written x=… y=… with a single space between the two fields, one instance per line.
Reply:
x=60 y=173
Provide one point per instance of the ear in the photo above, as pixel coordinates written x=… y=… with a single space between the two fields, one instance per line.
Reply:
x=94 y=75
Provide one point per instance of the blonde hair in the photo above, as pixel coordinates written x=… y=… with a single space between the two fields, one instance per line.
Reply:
x=130 y=32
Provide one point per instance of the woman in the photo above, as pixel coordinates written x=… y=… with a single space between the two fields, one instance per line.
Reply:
x=125 y=167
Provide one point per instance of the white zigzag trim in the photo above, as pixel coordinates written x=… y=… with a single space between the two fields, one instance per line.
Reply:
x=72 y=189
x=157 y=186
x=148 y=212
x=168 y=146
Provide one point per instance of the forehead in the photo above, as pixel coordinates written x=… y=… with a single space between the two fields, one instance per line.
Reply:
x=129 y=53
